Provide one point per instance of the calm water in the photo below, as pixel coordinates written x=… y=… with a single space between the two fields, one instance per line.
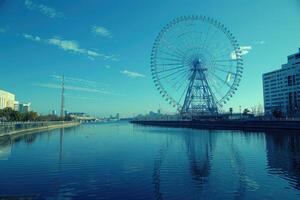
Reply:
x=124 y=161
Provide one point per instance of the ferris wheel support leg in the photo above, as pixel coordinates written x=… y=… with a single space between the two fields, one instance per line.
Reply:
x=188 y=97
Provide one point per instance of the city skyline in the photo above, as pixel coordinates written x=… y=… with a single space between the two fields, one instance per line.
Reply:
x=104 y=50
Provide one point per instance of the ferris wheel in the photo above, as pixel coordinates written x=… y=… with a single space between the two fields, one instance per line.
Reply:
x=196 y=64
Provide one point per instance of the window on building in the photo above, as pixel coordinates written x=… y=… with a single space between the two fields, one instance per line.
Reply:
x=290 y=80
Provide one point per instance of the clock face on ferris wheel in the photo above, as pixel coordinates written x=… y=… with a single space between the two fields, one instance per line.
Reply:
x=196 y=64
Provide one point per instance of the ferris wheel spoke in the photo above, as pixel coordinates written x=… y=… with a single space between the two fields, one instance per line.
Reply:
x=221 y=53
x=176 y=49
x=185 y=30
x=177 y=76
x=169 y=59
x=191 y=39
x=216 y=91
x=169 y=64
x=183 y=93
x=225 y=71
x=206 y=37
x=166 y=76
x=192 y=36
x=180 y=86
x=220 y=79
x=184 y=43
x=170 y=54
x=224 y=55
x=171 y=69
x=180 y=78
x=223 y=65
x=223 y=49
x=210 y=39
x=210 y=86
x=229 y=60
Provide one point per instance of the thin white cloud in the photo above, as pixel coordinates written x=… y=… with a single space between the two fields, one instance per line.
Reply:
x=74 y=88
x=260 y=42
x=70 y=46
x=31 y=37
x=81 y=98
x=101 y=31
x=46 y=10
x=3 y=30
x=78 y=85
x=243 y=51
x=132 y=74
x=84 y=82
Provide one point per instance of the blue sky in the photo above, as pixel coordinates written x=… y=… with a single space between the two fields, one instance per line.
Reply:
x=103 y=48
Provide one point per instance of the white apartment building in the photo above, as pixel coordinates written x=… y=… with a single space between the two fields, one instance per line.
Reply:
x=282 y=88
x=7 y=99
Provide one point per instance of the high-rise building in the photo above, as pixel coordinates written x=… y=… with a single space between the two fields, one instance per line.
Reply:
x=282 y=88
x=24 y=107
x=7 y=99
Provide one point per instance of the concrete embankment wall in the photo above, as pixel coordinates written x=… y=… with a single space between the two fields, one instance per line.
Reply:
x=227 y=124
x=43 y=127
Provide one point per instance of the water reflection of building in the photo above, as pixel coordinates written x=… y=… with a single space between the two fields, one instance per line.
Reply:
x=283 y=155
x=5 y=149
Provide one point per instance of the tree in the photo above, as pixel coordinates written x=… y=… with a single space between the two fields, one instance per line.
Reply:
x=277 y=113
x=254 y=110
x=260 y=110
x=11 y=115
x=246 y=111
x=30 y=116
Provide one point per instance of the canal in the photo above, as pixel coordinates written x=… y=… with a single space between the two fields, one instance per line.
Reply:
x=126 y=161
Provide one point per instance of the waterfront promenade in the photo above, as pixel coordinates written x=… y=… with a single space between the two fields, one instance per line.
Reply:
x=14 y=128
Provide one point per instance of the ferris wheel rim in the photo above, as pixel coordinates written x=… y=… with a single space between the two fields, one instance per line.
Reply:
x=237 y=51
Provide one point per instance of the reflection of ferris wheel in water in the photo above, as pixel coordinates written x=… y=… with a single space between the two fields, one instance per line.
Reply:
x=196 y=64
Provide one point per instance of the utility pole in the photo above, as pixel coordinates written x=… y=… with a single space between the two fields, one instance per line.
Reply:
x=62 y=105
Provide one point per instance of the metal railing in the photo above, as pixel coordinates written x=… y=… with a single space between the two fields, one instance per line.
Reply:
x=8 y=127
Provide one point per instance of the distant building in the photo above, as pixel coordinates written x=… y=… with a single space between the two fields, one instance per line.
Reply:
x=7 y=100
x=24 y=107
x=282 y=88
x=77 y=114
x=53 y=112
x=80 y=116
x=16 y=106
